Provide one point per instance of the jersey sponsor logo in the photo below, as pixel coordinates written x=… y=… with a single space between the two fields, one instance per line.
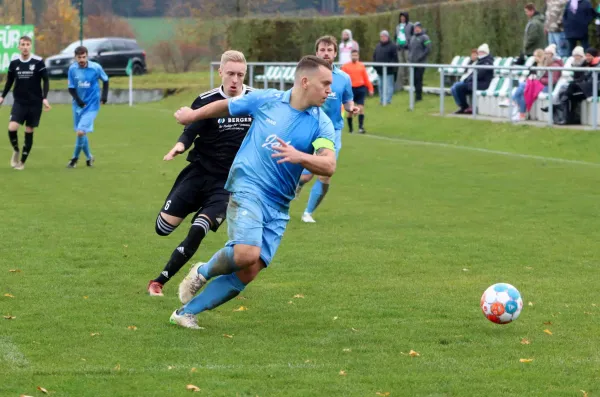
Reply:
x=271 y=142
x=221 y=121
x=272 y=122
x=84 y=84
x=332 y=95
x=230 y=120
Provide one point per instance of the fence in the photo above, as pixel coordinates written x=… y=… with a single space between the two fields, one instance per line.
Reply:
x=252 y=66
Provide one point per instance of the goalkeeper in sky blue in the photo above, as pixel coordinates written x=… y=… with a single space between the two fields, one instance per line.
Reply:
x=84 y=88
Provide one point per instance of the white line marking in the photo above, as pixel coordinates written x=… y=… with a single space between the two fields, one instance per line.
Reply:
x=10 y=353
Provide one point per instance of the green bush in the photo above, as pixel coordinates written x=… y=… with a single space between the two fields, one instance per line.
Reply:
x=454 y=28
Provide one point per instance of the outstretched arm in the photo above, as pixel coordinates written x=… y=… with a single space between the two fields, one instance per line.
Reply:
x=215 y=109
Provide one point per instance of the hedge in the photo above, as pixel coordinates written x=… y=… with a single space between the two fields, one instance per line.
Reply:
x=454 y=28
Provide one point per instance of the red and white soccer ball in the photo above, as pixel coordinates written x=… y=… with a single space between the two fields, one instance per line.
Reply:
x=501 y=303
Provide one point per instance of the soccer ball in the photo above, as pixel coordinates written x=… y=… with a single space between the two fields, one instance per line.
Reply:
x=501 y=303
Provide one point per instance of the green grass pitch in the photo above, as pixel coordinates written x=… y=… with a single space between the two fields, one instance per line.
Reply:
x=423 y=215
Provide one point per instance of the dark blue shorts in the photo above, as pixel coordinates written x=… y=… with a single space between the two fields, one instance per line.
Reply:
x=359 y=94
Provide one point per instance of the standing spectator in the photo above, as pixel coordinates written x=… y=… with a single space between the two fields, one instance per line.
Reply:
x=419 y=49
x=385 y=52
x=347 y=45
x=534 y=31
x=554 y=26
x=576 y=21
x=461 y=89
x=404 y=32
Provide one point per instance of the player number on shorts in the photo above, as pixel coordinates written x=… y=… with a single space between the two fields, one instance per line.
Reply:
x=167 y=205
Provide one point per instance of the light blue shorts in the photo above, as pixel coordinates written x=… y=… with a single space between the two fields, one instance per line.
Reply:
x=338 y=147
x=251 y=222
x=83 y=120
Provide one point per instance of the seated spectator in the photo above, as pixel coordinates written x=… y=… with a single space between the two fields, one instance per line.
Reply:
x=550 y=60
x=462 y=89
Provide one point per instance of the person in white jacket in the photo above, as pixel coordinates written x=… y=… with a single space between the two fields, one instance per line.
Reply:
x=347 y=44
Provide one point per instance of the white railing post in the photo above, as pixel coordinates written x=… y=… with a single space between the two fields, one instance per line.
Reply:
x=412 y=89
x=550 y=98
x=594 y=100
x=474 y=98
x=442 y=91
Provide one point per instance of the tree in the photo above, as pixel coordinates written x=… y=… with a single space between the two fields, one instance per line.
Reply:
x=108 y=24
x=11 y=12
x=367 y=6
x=147 y=7
x=59 y=27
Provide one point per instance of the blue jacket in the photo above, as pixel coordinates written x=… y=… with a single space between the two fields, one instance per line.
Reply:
x=576 y=26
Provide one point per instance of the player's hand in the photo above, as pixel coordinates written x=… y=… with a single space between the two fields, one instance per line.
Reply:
x=46 y=105
x=185 y=116
x=1 y=100
x=371 y=93
x=355 y=110
x=81 y=104
x=287 y=153
x=177 y=150
x=103 y=101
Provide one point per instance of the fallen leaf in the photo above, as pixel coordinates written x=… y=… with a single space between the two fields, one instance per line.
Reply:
x=125 y=246
x=528 y=268
x=241 y=298
x=117 y=367
x=192 y=388
x=335 y=318
x=584 y=393
x=9 y=295
x=40 y=388
x=354 y=329
x=547 y=322
x=526 y=360
x=132 y=327
x=343 y=373
x=83 y=359
x=347 y=350
x=413 y=353
x=384 y=394
x=290 y=303
x=95 y=334
x=9 y=317
x=307 y=361
x=240 y=309
x=587 y=313
x=170 y=367
x=85 y=297
x=24 y=395
x=548 y=331
x=15 y=271
x=465 y=270
x=530 y=303
x=193 y=369
x=298 y=296
x=228 y=336
x=525 y=341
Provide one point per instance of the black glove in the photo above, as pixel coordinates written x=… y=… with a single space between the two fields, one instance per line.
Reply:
x=520 y=60
x=104 y=100
x=80 y=103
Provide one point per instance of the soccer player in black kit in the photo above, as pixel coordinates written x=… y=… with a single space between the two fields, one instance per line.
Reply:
x=27 y=73
x=200 y=187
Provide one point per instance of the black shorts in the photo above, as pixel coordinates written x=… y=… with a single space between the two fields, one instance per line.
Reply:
x=26 y=114
x=359 y=94
x=196 y=191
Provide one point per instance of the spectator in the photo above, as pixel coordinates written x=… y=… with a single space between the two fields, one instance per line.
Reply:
x=347 y=45
x=461 y=89
x=360 y=85
x=404 y=32
x=519 y=96
x=554 y=26
x=385 y=52
x=418 y=51
x=576 y=21
x=534 y=31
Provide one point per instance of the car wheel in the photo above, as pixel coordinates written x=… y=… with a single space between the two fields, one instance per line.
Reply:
x=137 y=69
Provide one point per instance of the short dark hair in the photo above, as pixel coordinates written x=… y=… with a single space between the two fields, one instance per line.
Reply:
x=25 y=38
x=81 y=50
x=530 y=6
x=311 y=62
x=327 y=40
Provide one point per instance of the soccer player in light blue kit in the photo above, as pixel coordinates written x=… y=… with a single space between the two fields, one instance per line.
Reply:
x=289 y=133
x=341 y=94
x=83 y=87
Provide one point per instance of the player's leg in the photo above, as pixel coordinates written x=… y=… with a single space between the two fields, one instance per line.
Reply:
x=87 y=125
x=304 y=179
x=244 y=227
x=319 y=189
x=78 y=137
x=17 y=118
x=33 y=121
x=359 y=100
x=361 y=119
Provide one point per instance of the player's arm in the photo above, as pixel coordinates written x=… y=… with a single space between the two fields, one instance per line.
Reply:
x=10 y=79
x=322 y=163
x=185 y=140
x=104 y=79
x=45 y=85
x=73 y=90
x=216 y=109
x=348 y=98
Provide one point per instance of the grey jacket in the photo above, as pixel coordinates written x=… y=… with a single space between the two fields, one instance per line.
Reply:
x=419 y=48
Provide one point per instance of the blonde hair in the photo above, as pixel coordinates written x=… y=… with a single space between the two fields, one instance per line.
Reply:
x=539 y=55
x=232 y=56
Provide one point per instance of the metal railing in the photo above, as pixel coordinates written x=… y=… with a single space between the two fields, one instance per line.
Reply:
x=507 y=71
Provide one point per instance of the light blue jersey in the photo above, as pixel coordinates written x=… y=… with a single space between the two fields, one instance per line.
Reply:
x=85 y=81
x=254 y=170
x=341 y=93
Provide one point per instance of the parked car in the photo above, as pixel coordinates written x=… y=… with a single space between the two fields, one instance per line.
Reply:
x=113 y=53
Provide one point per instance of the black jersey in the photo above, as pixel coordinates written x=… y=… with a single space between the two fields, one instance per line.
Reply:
x=27 y=76
x=216 y=141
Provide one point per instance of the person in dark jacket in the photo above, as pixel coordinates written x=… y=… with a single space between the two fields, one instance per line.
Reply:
x=385 y=52
x=576 y=21
x=404 y=32
x=534 y=37
x=419 y=49
x=461 y=89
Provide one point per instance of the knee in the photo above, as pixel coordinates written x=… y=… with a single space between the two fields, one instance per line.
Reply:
x=164 y=225
x=248 y=274
x=305 y=178
x=245 y=256
x=29 y=130
x=325 y=180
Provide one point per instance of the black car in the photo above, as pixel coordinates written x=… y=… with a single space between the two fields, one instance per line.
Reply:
x=113 y=53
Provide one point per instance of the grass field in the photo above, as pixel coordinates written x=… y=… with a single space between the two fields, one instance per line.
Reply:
x=425 y=213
